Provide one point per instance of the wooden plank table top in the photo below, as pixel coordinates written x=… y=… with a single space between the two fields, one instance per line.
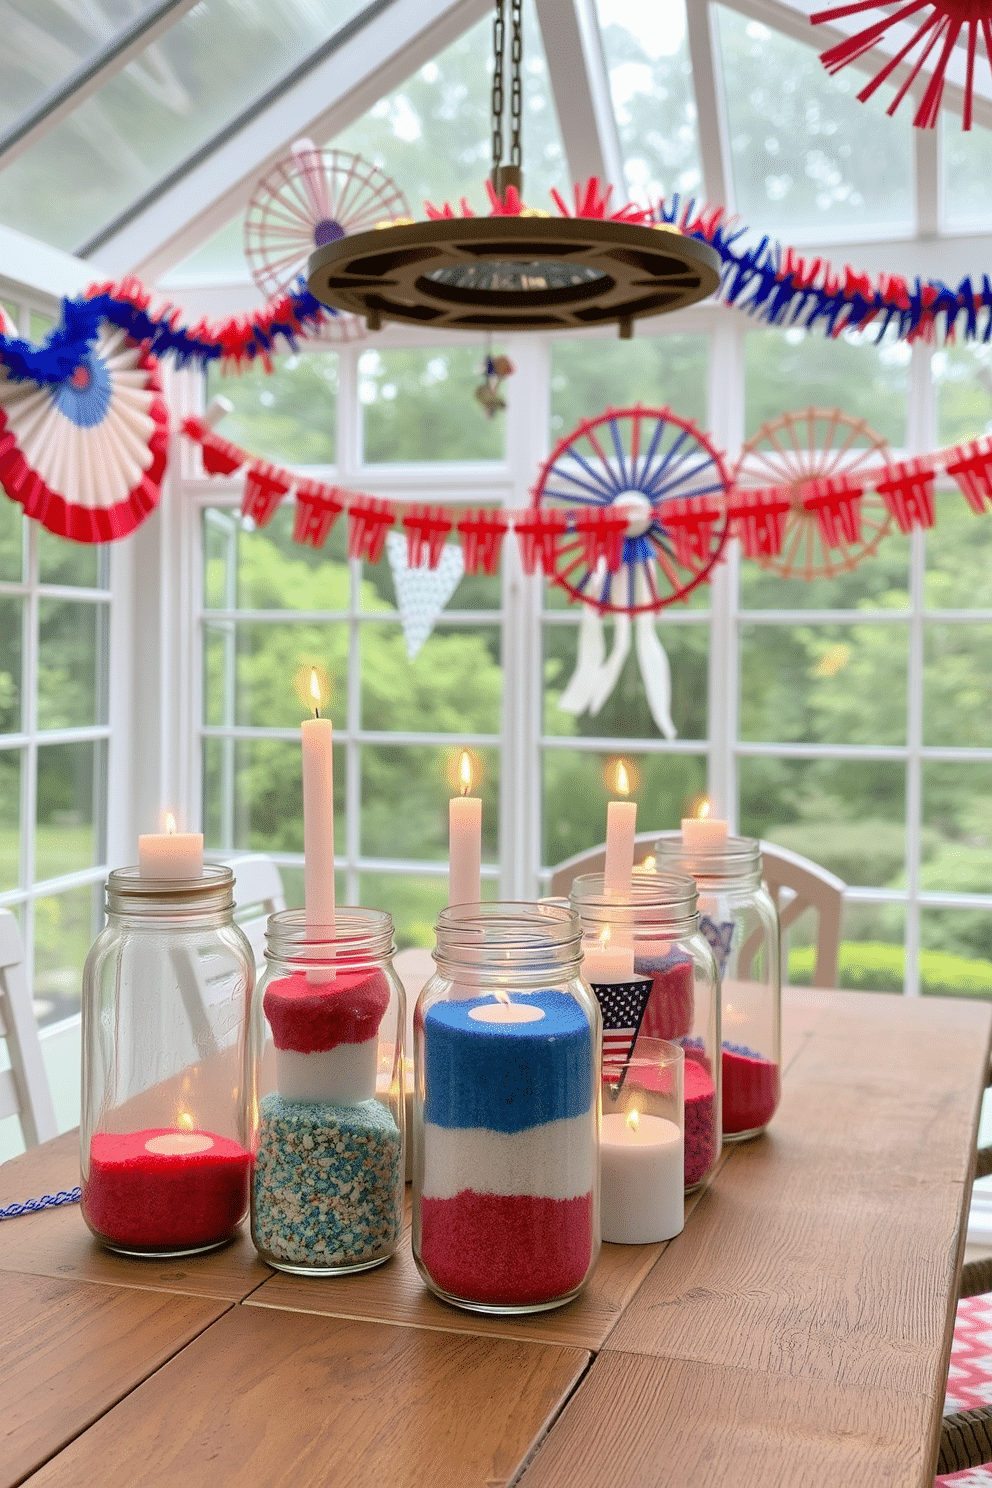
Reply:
x=798 y=1330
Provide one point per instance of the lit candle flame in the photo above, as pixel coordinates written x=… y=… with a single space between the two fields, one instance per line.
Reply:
x=184 y=1121
x=604 y=938
x=633 y=1121
x=315 y=691
x=465 y=775
x=313 y=687
x=502 y=996
x=704 y=809
x=622 y=780
x=650 y=864
x=170 y=824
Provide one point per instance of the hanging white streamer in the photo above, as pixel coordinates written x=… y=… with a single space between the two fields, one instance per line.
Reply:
x=596 y=675
x=653 y=660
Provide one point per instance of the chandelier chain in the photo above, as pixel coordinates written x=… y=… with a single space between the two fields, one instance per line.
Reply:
x=516 y=90
x=499 y=33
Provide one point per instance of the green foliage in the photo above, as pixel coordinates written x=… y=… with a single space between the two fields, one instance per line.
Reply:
x=867 y=966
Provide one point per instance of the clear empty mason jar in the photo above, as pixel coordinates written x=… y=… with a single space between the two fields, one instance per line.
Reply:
x=164 y=1151
x=738 y=917
x=506 y=1111
x=325 y=1085
x=655 y=977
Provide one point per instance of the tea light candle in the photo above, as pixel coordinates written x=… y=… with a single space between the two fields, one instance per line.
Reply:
x=465 y=840
x=704 y=832
x=642 y=1179
x=607 y=959
x=170 y=854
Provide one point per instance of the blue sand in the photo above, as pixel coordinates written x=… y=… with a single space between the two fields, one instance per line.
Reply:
x=511 y=1076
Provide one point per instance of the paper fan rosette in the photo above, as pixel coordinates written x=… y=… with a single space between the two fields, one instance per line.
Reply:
x=85 y=456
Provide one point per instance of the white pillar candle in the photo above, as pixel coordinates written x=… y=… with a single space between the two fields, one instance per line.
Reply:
x=170 y=854
x=621 y=824
x=608 y=959
x=465 y=840
x=704 y=832
x=642 y=1165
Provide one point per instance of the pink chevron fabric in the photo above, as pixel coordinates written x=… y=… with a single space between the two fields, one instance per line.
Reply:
x=969 y=1378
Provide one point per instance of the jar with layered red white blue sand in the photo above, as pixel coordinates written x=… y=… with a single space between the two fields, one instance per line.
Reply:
x=739 y=918
x=506 y=1111
x=326 y=1095
x=656 y=978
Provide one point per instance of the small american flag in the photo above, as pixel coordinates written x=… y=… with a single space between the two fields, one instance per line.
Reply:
x=622 y=1005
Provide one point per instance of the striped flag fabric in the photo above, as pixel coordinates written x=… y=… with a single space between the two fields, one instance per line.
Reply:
x=622 y=1005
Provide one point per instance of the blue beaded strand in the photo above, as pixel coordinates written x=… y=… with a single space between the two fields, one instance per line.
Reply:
x=47 y=1201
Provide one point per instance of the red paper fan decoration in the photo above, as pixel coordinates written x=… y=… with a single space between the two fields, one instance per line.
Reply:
x=941 y=24
x=85 y=457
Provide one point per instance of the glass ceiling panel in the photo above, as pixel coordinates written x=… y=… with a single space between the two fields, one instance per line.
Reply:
x=432 y=137
x=808 y=159
x=45 y=41
x=651 y=84
x=967 y=193
x=150 y=116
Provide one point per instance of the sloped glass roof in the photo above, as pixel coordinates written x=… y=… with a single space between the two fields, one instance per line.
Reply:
x=103 y=126
x=154 y=113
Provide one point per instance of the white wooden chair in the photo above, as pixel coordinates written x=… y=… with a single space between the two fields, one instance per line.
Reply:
x=258 y=892
x=24 y=1091
x=796 y=884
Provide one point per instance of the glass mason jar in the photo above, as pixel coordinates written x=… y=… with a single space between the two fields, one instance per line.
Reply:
x=166 y=985
x=655 y=977
x=738 y=917
x=506 y=1111
x=325 y=1091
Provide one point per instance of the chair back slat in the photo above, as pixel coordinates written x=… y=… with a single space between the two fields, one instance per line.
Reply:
x=32 y=1099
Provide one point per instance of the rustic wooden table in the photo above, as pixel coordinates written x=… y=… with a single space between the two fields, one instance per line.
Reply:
x=797 y=1332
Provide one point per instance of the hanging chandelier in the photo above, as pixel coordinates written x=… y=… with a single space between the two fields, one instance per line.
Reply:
x=518 y=269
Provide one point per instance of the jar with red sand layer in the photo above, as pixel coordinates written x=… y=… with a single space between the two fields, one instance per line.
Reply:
x=738 y=917
x=326 y=1095
x=166 y=987
x=654 y=975
x=506 y=1111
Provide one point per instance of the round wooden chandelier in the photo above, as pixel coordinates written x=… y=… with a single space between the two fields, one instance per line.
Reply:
x=517 y=270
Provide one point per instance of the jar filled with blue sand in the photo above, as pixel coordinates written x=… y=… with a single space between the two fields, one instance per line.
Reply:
x=507 y=1041
x=326 y=1098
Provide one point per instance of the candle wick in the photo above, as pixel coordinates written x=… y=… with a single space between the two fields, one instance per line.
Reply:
x=316 y=711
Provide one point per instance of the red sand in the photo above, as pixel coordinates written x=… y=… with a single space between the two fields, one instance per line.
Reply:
x=750 y=1090
x=155 y=1202
x=310 y=1017
x=506 y=1249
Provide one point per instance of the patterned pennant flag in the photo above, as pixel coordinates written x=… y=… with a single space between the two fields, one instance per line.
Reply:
x=423 y=592
x=622 y=1005
x=720 y=938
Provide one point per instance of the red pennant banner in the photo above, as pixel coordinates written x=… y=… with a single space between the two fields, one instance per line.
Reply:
x=539 y=532
x=369 y=519
x=265 y=486
x=426 y=529
x=690 y=521
x=220 y=457
x=907 y=491
x=759 y=520
x=972 y=472
x=602 y=530
x=317 y=509
x=835 y=502
x=482 y=538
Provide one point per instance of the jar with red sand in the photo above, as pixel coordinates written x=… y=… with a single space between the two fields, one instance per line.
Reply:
x=654 y=975
x=506 y=1111
x=326 y=1095
x=166 y=987
x=738 y=917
